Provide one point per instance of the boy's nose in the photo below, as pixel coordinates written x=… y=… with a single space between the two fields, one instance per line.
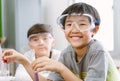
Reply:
x=40 y=41
x=75 y=26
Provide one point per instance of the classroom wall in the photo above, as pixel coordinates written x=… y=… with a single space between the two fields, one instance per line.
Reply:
x=51 y=10
x=0 y=19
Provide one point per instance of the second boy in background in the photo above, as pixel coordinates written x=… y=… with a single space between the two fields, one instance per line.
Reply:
x=41 y=43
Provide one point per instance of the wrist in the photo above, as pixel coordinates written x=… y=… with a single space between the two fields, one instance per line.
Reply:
x=61 y=68
x=25 y=61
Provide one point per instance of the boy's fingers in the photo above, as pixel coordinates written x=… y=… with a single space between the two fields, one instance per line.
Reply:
x=40 y=65
x=8 y=52
x=37 y=61
x=35 y=65
x=4 y=59
x=8 y=58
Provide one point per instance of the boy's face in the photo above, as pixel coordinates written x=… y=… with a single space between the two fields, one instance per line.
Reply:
x=42 y=44
x=78 y=30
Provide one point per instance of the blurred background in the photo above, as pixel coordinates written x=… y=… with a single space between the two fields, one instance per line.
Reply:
x=17 y=16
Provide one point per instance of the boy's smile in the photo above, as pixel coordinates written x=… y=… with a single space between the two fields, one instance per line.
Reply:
x=76 y=37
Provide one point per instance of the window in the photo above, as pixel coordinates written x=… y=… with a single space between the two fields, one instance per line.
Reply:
x=105 y=33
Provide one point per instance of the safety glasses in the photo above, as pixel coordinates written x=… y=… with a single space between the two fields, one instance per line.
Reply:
x=82 y=26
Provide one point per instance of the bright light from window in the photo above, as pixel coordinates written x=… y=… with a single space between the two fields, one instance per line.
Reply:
x=105 y=33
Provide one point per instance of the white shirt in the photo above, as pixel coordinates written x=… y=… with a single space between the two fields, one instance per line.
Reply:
x=22 y=75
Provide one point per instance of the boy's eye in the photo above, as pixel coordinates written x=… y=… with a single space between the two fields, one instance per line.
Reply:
x=81 y=24
x=35 y=39
x=45 y=38
x=68 y=24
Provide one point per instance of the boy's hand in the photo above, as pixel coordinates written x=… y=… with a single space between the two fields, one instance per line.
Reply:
x=13 y=56
x=44 y=63
x=4 y=60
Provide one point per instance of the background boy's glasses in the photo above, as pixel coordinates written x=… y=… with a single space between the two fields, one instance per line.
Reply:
x=40 y=36
x=41 y=39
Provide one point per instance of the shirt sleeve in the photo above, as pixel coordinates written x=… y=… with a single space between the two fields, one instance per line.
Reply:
x=98 y=66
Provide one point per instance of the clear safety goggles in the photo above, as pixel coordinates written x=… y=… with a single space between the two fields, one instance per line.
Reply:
x=40 y=37
x=82 y=27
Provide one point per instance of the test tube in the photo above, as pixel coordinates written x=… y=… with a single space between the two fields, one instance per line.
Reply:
x=4 y=67
x=36 y=76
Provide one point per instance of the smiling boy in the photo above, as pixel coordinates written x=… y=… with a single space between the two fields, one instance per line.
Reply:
x=85 y=59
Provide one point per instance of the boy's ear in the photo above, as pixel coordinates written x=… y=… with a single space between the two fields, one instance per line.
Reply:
x=95 y=30
x=30 y=45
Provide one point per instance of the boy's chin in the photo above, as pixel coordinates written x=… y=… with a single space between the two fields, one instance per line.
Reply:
x=41 y=54
x=75 y=46
x=78 y=46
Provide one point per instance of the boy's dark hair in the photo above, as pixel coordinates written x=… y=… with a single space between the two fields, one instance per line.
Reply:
x=39 y=28
x=82 y=8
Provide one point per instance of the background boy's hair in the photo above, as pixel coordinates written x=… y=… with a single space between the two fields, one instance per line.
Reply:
x=82 y=8
x=40 y=28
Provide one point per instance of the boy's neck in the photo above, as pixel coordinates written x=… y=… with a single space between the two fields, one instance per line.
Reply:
x=80 y=52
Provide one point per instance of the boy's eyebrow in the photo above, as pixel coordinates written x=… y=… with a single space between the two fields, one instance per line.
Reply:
x=80 y=20
x=69 y=21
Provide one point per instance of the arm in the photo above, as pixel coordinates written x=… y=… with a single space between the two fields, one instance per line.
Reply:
x=68 y=75
x=44 y=63
x=14 y=56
